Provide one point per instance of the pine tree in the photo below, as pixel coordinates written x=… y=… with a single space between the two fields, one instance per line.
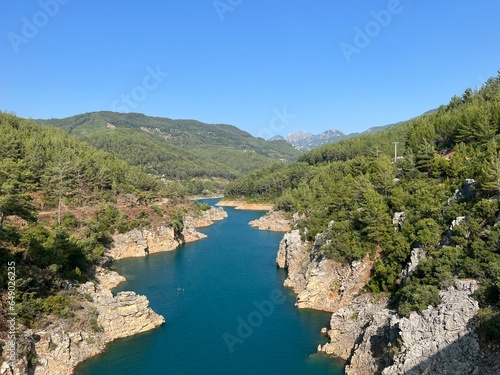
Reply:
x=490 y=170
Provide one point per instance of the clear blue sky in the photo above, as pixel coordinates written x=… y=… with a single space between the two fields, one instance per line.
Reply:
x=246 y=62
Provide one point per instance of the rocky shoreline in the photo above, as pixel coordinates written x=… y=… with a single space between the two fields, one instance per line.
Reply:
x=367 y=335
x=242 y=205
x=142 y=242
x=101 y=317
x=274 y=221
x=370 y=337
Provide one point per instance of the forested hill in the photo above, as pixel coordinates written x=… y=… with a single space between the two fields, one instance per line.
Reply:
x=441 y=195
x=176 y=148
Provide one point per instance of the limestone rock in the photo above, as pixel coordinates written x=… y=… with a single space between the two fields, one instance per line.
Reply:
x=321 y=284
x=126 y=314
x=347 y=325
x=441 y=340
x=59 y=347
x=293 y=256
x=398 y=219
x=208 y=217
x=416 y=255
x=273 y=221
x=139 y=243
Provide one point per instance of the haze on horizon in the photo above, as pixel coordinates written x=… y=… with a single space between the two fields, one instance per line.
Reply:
x=268 y=68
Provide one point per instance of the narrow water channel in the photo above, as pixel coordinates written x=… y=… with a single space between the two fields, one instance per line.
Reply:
x=226 y=311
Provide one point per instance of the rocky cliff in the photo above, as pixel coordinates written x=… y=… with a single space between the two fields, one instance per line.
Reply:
x=100 y=319
x=442 y=340
x=374 y=339
x=274 y=221
x=320 y=283
x=141 y=242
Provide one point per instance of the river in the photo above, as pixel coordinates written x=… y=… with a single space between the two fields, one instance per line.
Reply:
x=226 y=311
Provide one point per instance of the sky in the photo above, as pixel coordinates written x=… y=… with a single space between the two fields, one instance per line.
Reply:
x=267 y=67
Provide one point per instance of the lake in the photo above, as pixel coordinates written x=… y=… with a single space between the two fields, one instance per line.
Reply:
x=226 y=311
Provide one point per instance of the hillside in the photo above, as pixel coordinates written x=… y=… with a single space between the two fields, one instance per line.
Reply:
x=434 y=210
x=175 y=148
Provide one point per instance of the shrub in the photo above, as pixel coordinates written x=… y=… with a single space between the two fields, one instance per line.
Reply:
x=57 y=305
x=415 y=297
x=489 y=324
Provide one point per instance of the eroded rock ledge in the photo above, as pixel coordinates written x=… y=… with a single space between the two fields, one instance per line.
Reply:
x=274 y=221
x=320 y=283
x=442 y=340
x=374 y=339
x=142 y=242
x=62 y=345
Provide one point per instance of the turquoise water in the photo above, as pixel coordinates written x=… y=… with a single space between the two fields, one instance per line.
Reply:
x=226 y=311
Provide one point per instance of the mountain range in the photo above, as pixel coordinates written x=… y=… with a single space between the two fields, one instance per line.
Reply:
x=176 y=148
x=305 y=141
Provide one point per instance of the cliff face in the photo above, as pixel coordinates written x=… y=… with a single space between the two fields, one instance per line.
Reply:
x=59 y=347
x=442 y=340
x=372 y=338
x=141 y=242
x=321 y=284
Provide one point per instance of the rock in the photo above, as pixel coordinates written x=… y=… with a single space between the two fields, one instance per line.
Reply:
x=60 y=346
x=126 y=314
x=455 y=223
x=467 y=191
x=441 y=340
x=108 y=279
x=129 y=200
x=321 y=284
x=293 y=255
x=398 y=219
x=347 y=325
x=208 y=217
x=139 y=243
x=416 y=255
x=273 y=221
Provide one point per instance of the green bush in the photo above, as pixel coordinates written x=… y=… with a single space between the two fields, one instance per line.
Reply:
x=415 y=297
x=57 y=305
x=157 y=210
x=489 y=324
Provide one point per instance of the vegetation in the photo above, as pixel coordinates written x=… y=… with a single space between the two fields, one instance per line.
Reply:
x=447 y=167
x=46 y=173
x=176 y=149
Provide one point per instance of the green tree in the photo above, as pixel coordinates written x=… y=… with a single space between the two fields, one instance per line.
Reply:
x=60 y=178
x=14 y=199
x=490 y=170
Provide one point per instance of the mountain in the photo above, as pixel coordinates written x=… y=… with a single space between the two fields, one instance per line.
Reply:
x=175 y=148
x=305 y=141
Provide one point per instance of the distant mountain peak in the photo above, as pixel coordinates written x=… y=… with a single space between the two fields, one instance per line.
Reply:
x=306 y=141
x=277 y=138
x=298 y=136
